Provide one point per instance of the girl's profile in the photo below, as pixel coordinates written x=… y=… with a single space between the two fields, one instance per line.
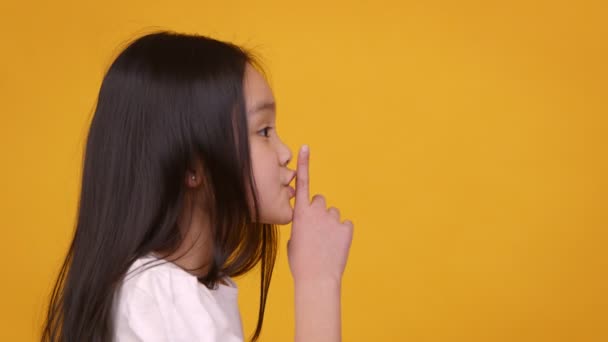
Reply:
x=185 y=179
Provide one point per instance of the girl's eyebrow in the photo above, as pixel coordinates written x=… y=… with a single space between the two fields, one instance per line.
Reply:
x=262 y=106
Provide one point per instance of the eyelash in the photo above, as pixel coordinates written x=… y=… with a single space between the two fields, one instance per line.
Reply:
x=265 y=128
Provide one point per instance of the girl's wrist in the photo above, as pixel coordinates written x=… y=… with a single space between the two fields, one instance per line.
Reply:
x=318 y=283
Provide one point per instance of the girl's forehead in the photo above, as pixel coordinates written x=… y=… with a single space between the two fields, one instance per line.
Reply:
x=258 y=95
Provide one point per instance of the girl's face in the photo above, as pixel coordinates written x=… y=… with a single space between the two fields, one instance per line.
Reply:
x=269 y=154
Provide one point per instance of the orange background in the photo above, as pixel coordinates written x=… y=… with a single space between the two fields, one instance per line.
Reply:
x=467 y=141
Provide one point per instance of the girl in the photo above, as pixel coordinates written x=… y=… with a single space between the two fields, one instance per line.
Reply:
x=184 y=181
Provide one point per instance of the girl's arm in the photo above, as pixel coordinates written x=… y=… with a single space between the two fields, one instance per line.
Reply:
x=317 y=311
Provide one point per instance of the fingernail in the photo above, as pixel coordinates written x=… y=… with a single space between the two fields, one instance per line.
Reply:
x=305 y=148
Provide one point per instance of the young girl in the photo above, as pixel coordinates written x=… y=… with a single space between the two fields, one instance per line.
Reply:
x=184 y=181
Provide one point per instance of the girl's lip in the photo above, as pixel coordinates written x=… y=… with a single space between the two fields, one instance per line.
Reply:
x=292 y=191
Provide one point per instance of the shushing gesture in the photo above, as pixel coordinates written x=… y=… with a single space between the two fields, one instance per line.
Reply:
x=319 y=244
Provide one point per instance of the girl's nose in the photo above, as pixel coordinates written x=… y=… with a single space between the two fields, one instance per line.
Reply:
x=286 y=155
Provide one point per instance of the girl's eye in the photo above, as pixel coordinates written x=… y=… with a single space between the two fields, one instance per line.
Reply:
x=266 y=129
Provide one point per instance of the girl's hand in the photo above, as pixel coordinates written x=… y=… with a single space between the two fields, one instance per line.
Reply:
x=319 y=242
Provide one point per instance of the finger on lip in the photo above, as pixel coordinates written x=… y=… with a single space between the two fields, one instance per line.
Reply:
x=293 y=176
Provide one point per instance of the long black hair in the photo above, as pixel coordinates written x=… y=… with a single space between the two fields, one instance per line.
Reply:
x=167 y=100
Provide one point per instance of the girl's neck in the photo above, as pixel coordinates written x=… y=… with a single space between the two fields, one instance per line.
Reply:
x=195 y=253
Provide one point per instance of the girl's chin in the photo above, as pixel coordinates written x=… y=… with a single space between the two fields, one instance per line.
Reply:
x=284 y=217
x=287 y=216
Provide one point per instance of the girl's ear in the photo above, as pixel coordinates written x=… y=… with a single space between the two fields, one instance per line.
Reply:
x=194 y=178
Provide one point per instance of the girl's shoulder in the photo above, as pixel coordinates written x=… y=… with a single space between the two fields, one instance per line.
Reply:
x=156 y=276
x=152 y=266
x=158 y=298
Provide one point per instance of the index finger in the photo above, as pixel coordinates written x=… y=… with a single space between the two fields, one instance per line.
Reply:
x=302 y=184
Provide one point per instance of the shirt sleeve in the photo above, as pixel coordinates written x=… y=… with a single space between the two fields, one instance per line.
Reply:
x=162 y=313
x=140 y=319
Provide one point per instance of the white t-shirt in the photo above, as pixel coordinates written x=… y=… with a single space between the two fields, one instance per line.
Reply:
x=162 y=302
